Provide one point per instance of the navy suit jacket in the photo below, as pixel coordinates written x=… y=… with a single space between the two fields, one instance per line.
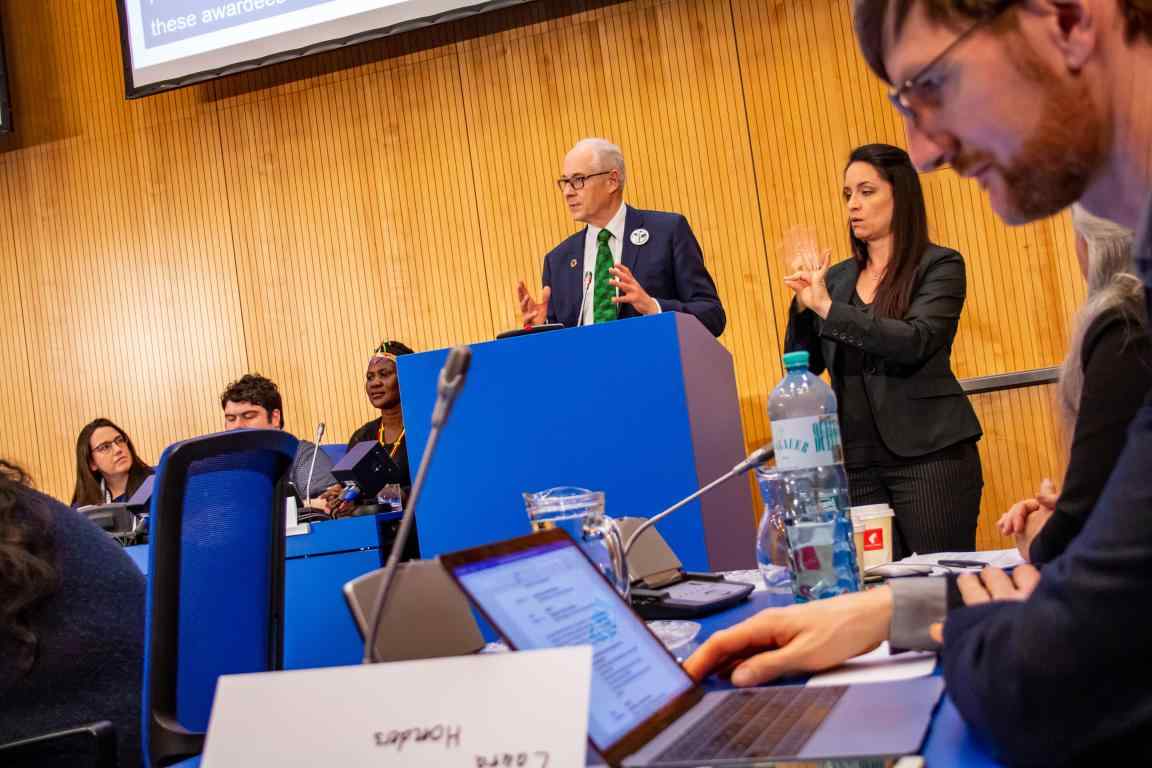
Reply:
x=1063 y=677
x=669 y=266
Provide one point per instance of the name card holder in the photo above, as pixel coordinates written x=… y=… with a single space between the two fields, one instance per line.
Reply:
x=526 y=709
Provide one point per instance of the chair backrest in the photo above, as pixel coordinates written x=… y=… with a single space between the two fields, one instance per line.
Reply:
x=216 y=579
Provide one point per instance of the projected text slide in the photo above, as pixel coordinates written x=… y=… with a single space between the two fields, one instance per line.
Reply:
x=168 y=21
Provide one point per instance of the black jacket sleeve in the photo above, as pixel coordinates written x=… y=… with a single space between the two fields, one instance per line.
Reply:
x=929 y=324
x=1116 y=360
x=1062 y=677
x=803 y=335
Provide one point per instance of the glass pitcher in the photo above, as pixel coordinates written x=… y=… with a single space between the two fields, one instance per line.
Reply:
x=580 y=512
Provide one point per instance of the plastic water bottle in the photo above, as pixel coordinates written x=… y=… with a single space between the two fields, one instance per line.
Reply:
x=817 y=516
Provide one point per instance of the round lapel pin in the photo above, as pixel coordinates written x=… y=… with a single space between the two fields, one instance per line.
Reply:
x=639 y=236
x=572 y=264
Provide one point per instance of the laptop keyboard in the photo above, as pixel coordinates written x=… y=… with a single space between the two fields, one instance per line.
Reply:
x=765 y=722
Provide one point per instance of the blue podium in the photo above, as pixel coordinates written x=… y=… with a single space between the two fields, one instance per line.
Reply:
x=644 y=409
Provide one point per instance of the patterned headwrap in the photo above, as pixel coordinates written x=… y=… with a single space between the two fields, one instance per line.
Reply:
x=389 y=350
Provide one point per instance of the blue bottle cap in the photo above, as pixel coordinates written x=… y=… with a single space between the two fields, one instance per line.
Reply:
x=795 y=360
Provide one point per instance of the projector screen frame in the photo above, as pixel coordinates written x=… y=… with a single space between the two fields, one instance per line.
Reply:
x=133 y=91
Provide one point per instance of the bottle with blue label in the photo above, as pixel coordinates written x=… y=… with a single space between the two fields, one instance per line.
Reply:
x=818 y=521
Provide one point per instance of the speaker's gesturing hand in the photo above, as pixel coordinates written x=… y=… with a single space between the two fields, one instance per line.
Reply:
x=532 y=312
x=631 y=292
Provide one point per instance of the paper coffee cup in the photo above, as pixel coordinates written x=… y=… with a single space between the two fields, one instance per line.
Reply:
x=872 y=532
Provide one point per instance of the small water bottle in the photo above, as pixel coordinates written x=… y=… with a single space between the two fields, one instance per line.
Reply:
x=772 y=538
x=817 y=518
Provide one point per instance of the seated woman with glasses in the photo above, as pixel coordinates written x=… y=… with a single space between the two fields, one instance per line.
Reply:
x=107 y=467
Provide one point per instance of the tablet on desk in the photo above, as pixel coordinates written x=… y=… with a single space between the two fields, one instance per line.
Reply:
x=531 y=329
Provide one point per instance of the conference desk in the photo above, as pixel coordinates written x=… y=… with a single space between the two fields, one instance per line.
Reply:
x=319 y=631
x=949 y=743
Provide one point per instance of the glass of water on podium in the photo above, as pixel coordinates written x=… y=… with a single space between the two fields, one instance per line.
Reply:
x=580 y=512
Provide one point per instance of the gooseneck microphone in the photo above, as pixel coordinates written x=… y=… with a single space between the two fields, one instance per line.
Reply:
x=754 y=459
x=584 y=298
x=451 y=381
x=312 y=466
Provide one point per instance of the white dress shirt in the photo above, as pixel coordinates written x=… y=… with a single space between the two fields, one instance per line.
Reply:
x=591 y=244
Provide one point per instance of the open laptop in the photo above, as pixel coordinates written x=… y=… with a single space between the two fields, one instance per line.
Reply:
x=541 y=591
x=122 y=519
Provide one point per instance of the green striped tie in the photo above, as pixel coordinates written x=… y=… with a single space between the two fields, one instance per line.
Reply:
x=603 y=310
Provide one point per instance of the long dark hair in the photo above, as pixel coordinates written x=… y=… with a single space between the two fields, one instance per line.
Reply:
x=88 y=489
x=909 y=226
x=27 y=565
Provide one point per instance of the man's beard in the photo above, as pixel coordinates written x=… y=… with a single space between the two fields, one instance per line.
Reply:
x=1057 y=161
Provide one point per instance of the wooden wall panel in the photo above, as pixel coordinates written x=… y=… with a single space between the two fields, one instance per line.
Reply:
x=20 y=440
x=353 y=212
x=132 y=313
x=288 y=219
x=66 y=75
x=1023 y=443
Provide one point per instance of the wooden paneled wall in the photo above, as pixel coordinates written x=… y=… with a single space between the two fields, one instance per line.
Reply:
x=286 y=220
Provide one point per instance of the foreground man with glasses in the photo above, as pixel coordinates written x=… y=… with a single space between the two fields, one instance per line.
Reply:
x=1044 y=102
x=625 y=262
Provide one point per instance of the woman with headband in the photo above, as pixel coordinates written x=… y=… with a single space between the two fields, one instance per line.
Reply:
x=383 y=390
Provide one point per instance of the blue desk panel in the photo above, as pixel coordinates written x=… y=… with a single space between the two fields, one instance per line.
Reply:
x=318 y=628
x=537 y=412
x=139 y=555
x=344 y=535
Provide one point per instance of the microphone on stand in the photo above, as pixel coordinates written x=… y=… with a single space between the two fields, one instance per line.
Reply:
x=754 y=459
x=312 y=467
x=451 y=381
x=584 y=298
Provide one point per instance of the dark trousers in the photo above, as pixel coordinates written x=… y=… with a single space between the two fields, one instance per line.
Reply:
x=936 y=499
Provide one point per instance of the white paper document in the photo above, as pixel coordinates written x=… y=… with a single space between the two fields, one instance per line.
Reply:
x=527 y=709
x=878 y=666
x=942 y=563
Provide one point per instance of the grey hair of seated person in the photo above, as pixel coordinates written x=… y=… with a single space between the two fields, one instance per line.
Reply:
x=1112 y=284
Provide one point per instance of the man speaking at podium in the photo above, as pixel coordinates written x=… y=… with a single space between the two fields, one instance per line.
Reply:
x=626 y=262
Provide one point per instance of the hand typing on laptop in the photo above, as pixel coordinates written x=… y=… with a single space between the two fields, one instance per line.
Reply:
x=799 y=638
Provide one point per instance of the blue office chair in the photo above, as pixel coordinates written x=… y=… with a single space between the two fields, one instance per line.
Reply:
x=216 y=579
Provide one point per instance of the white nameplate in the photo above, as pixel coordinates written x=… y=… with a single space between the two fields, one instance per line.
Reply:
x=506 y=710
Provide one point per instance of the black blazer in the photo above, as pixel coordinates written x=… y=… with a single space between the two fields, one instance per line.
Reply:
x=668 y=264
x=1116 y=361
x=918 y=404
